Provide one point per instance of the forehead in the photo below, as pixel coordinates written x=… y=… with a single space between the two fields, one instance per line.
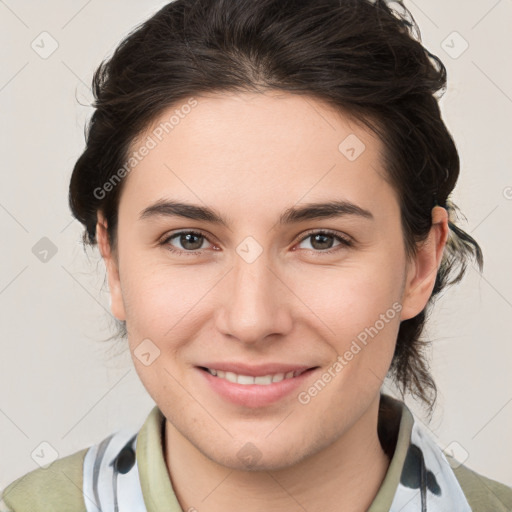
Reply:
x=273 y=147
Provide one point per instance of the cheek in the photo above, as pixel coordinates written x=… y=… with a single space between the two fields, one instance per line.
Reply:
x=160 y=298
x=358 y=311
x=351 y=298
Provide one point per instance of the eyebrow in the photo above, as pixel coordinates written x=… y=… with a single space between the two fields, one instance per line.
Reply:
x=309 y=211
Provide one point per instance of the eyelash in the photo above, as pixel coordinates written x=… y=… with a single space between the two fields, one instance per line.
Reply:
x=344 y=242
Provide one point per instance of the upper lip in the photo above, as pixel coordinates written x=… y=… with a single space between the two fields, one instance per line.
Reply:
x=256 y=370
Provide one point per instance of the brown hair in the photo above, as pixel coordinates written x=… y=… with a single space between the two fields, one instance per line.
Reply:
x=362 y=57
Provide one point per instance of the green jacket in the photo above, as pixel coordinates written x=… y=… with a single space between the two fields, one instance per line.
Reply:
x=59 y=486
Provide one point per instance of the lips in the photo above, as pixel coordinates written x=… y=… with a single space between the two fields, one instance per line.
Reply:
x=241 y=388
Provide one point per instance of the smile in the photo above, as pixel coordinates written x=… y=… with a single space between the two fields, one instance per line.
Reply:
x=263 y=380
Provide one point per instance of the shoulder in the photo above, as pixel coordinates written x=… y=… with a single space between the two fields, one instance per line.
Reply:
x=482 y=493
x=60 y=485
x=56 y=487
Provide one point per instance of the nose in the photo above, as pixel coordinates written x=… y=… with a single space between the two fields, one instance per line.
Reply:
x=255 y=302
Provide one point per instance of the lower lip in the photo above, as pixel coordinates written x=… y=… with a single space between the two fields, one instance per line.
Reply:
x=255 y=395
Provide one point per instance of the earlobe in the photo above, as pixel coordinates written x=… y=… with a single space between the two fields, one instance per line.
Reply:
x=112 y=267
x=422 y=271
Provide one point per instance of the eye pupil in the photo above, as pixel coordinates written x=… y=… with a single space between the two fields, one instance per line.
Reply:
x=185 y=239
x=322 y=237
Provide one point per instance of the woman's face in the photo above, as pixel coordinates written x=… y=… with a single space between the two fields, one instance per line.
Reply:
x=263 y=287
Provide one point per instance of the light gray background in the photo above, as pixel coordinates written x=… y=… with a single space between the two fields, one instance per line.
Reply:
x=63 y=386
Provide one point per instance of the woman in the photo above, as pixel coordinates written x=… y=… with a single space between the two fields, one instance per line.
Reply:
x=268 y=184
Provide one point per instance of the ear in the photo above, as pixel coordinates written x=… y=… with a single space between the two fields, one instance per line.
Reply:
x=112 y=266
x=422 y=270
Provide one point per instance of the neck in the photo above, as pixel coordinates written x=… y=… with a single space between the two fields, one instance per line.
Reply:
x=350 y=472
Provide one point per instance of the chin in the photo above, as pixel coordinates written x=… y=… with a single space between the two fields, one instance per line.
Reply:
x=275 y=462
x=249 y=457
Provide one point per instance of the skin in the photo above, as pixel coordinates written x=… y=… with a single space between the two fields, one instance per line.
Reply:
x=250 y=157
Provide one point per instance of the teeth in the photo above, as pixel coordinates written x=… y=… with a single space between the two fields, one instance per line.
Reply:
x=263 y=380
x=230 y=376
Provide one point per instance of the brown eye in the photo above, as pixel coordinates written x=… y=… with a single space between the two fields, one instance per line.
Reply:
x=189 y=242
x=322 y=241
